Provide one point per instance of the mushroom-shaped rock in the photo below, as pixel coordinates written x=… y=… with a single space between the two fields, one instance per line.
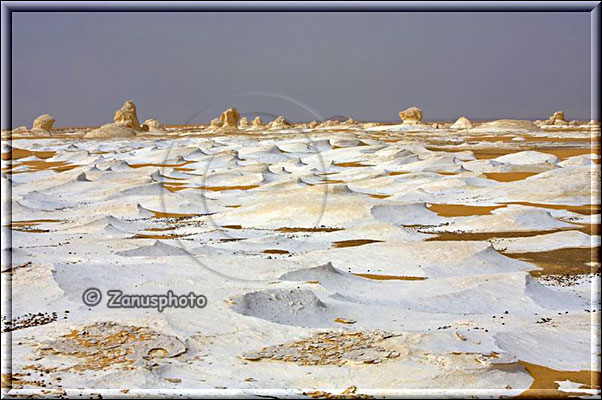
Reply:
x=244 y=122
x=126 y=116
x=229 y=118
x=411 y=116
x=462 y=123
x=43 y=122
x=279 y=123
x=152 y=125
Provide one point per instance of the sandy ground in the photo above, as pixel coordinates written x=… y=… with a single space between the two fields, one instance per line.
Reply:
x=347 y=263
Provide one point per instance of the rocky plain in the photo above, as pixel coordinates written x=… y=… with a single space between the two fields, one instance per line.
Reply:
x=338 y=258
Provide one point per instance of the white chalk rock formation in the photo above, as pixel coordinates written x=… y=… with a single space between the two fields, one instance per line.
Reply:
x=507 y=125
x=257 y=123
x=462 y=123
x=329 y=123
x=20 y=130
x=112 y=130
x=43 y=122
x=279 y=123
x=215 y=124
x=411 y=116
x=244 y=122
x=229 y=119
x=126 y=116
x=556 y=119
x=152 y=125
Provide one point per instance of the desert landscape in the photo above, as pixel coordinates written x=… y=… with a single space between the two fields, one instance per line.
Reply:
x=339 y=258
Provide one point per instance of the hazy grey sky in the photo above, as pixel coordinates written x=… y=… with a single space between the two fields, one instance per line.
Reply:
x=80 y=67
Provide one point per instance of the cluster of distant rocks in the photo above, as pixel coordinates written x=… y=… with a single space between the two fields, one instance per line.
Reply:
x=557 y=119
x=126 y=124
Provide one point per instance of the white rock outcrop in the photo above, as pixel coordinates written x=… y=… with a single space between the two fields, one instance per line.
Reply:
x=43 y=122
x=279 y=123
x=111 y=130
x=556 y=119
x=20 y=130
x=126 y=116
x=152 y=125
x=507 y=125
x=411 y=116
x=229 y=119
x=462 y=123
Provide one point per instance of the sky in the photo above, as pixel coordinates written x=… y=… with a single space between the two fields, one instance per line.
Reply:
x=189 y=67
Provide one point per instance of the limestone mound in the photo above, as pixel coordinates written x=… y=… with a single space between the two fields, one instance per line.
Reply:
x=152 y=125
x=514 y=125
x=112 y=130
x=462 y=123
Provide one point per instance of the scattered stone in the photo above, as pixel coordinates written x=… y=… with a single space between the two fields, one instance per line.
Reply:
x=345 y=321
x=104 y=345
x=28 y=320
x=349 y=393
x=330 y=348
